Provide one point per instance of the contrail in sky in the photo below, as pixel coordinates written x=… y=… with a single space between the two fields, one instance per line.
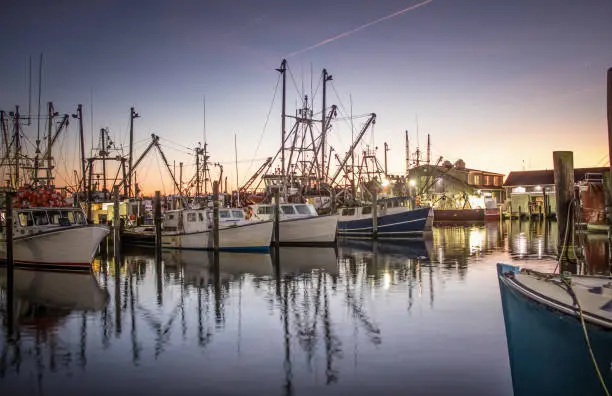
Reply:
x=355 y=30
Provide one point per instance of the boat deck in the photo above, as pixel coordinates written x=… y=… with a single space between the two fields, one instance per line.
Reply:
x=594 y=295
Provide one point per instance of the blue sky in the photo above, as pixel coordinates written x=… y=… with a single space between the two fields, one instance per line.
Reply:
x=499 y=84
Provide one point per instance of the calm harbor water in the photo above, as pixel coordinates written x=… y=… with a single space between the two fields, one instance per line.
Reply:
x=394 y=317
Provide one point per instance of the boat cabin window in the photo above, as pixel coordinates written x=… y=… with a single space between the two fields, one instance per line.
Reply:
x=76 y=217
x=170 y=216
x=287 y=209
x=60 y=217
x=224 y=214
x=303 y=209
x=348 y=212
x=191 y=217
x=40 y=218
x=25 y=219
x=237 y=214
x=201 y=216
x=366 y=210
x=264 y=210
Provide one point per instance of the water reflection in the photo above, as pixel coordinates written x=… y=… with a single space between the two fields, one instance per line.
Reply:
x=305 y=320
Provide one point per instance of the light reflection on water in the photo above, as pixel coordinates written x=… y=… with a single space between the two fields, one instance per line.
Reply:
x=391 y=317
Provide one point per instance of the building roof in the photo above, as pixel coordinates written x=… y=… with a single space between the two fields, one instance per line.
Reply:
x=546 y=177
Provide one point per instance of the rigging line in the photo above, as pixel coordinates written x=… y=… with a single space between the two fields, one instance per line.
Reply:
x=294 y=83
x=166 y=140
x=248 y=171
x=338 y=96
x=161 y=177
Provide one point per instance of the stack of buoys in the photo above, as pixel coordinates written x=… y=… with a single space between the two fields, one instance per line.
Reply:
x=30 y=196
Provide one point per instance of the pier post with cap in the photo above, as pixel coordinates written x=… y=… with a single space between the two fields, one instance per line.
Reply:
x=564 y=192
x=216 y=216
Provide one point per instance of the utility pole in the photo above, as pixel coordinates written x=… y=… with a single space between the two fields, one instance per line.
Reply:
x=133 y=115
x=282 y=70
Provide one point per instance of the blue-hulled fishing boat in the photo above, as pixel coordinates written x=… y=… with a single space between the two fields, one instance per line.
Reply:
x=546 y=317
x=397 y=221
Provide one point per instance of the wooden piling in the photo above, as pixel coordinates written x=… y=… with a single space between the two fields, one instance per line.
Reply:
x=276 y=219
x=374 y=215
x=116 y=220
x=157 y=218
x=564 y=191
x=10 y=275
x=216 y=216
x=609 y=113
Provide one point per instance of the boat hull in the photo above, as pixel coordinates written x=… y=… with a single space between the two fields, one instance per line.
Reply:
x=458 y=215
x=251 y=237
x=547 y=349
x=316 y=230
x=406 y=222
x=64 y=248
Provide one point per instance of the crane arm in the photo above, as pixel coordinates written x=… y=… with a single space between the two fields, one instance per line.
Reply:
x=58 y=130
x=370 y=121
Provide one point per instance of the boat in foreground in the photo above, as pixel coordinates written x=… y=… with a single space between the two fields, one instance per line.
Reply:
x=545 y=331
x=57 y=238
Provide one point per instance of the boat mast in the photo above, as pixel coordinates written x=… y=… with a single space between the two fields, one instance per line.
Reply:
x=49 y=143
x=326 y=78
x=282 y=70
x=17 y=146
x=407 y=152
x=133 y=115
x=198 y=152
x=79 y=116
x=103 y=155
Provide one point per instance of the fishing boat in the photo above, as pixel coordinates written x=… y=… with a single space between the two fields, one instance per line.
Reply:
x=193 y=229
x=299 y=223
x=55 y=237
x=548 y=319
x=392 y=220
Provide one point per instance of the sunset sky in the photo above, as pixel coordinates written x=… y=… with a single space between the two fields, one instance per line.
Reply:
x=500 y=84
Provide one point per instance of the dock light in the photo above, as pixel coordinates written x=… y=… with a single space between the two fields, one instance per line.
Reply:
x=412 y=183
x=538 y=188
x=385 y=182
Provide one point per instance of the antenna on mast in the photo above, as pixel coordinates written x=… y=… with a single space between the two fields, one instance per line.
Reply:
x=30 y=90
x=204 y=116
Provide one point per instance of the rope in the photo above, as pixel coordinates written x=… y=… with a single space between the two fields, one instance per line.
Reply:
x=567 y=282
x=570 y=291
x=567 y=228
x=263 y=131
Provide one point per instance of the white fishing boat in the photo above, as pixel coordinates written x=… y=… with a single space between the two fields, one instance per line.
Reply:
x=56 y=237
x=193 y=229
x=300 y=224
